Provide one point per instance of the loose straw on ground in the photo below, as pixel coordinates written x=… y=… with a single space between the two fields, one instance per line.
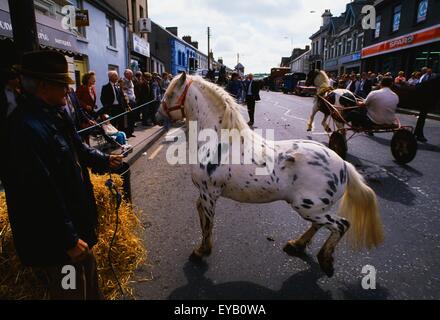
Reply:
x=128 y=253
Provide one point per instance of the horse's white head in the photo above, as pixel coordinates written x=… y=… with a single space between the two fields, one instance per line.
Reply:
x=317 y=78
x=172 y=106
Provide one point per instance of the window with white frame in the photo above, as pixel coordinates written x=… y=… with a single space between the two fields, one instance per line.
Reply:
x=378 y=27
x=422 y=11
x=111 y=36
x=396 y=17
x=360 y=43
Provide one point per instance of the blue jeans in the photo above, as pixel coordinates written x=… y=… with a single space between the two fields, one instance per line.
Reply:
x=120 y=137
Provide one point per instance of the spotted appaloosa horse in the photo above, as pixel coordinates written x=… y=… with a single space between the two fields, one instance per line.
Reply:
x=306 y=174
x=340 y=98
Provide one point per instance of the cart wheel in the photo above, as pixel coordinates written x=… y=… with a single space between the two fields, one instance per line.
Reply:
x=403 y=146
x=338 y=144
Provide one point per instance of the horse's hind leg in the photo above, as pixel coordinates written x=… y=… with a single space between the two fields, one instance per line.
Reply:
x=312 y=117
x=206 y=215
x=338 y=227
x=325 y=124
x=298 y=246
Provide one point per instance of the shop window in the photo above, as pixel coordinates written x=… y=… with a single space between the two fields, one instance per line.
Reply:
x=378 y=27
x=396 y=18
x=422 y=11
x=141 y=12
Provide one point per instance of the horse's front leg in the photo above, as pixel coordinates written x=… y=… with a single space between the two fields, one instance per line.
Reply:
x=206 y=210
x=312 y=117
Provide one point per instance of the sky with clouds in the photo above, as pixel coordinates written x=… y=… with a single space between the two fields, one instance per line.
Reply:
x=261 y=31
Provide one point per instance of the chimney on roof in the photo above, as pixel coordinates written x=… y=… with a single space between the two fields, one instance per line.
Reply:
x=173 y=30
x=187 y=39
x=307 y=48
x=326 y=16
x=195 y=44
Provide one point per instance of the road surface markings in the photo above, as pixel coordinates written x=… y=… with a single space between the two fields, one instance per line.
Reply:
x=286 y=114
x=155 y=153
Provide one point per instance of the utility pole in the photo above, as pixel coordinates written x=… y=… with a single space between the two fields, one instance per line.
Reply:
x=238 y=58
x=209 y=49
x=24 y=25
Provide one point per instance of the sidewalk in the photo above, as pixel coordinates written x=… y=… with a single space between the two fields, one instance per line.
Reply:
x=144 y=138
x=416 y=113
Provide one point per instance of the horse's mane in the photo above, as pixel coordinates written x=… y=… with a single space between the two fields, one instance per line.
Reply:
x=324 y=78
x=232 y=118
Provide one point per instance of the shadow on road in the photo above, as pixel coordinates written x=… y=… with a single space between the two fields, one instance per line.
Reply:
x=300 y=286
x=421 y=146
x=389 y=182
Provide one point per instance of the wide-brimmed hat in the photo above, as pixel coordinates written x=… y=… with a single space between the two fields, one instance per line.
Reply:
x=47 y=65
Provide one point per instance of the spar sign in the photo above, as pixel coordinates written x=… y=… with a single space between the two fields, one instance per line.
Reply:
x=407 y=41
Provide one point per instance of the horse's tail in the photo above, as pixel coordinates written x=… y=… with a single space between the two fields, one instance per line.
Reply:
x=359 y=207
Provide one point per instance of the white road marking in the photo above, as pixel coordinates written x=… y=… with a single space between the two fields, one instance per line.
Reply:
x=288 y=111
x=155 y=153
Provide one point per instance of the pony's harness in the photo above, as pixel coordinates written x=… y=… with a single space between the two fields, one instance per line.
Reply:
x=180 y=103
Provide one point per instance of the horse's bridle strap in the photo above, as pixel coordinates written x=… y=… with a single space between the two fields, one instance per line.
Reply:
x=180 y=103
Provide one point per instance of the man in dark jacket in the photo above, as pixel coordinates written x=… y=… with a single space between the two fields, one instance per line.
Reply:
x=252 y=90
x=49 y=194
x=112 y=99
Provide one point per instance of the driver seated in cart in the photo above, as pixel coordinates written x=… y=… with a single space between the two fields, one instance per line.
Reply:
x=378 y=109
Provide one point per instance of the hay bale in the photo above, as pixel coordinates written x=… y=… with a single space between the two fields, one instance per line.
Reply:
x=128 y=253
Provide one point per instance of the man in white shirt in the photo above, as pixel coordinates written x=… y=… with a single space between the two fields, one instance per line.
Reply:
x=380 y=107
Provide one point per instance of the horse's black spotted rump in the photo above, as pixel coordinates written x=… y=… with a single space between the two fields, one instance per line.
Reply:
x=347 y=100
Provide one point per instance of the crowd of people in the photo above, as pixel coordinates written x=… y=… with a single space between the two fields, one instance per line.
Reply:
x=362 y=84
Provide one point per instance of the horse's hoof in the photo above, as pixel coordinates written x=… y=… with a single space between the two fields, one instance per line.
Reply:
x=198 y=254
x=328 y=130
x=293 y=249
x=309 y=129
x=326 y=264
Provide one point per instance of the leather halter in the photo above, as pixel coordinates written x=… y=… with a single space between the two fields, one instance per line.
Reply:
x=180 y=103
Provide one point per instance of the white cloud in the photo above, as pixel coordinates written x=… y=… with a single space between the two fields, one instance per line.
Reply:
x=262 y=31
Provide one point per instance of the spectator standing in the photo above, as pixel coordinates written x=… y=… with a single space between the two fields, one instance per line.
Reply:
x=128 y=89
x=86 y=93
x=400 y=79
x=112 y=99
x=365 y=86
x=252 y=90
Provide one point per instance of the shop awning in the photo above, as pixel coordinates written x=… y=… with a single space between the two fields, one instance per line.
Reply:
x=47 y=36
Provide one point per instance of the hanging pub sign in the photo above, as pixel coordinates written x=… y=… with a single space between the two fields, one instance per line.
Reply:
x=82 y=18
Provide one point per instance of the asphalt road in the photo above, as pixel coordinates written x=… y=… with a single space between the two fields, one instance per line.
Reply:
x=248 y=262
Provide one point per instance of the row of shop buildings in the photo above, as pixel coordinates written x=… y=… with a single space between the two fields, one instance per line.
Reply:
x=405 y=37
x=119 y=35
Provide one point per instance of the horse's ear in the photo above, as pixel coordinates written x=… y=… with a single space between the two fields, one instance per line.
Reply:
x=183 y=78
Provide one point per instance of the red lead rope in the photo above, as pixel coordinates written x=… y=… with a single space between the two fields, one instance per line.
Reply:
x=180 y=102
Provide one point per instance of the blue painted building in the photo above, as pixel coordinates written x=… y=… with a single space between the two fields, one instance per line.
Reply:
x=177 y=55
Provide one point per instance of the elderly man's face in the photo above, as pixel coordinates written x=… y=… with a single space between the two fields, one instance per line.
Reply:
x=128 y=74
x=54 y=93
x=114 y=77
